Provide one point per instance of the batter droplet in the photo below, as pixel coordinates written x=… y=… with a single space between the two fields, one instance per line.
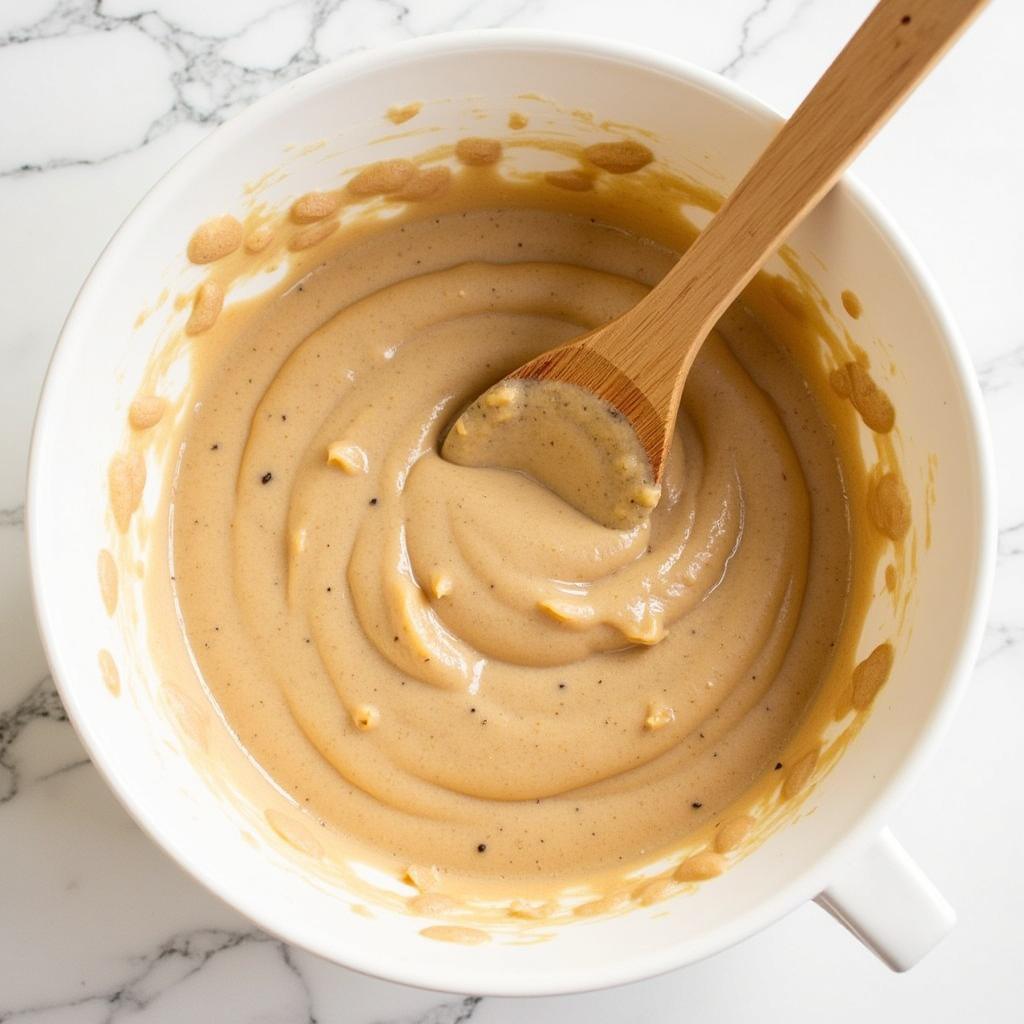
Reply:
x=314 y=206
x=108 y=669
x=655 y=891
x=382 y=178
x=889 y=506
x=476 y=152
x=427 y=183
x=571 y=180
x=799 y=775
x=453 y=933
x=126 y=480
x=732 y=833
x=399 y=115
x=259 y=239
x=107 y=571
x=700 y=867
x=619 y=157
x=146 y=411
x=209 y=301
x=433 y=904
x=854 y=382
x=215 y=239
x=870 y=675
x=851 y=304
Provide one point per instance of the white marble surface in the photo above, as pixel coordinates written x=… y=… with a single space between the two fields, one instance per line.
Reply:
x=97 y=98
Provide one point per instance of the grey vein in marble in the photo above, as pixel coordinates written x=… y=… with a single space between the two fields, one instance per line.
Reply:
x=182 y=955
x=744 y=50
x=195 y=58
x=1001 y=634
x=997 y=374
x=41 y=702
x=153 y=975
x=1011 y=541
x=457 y=1012
x=12 y=516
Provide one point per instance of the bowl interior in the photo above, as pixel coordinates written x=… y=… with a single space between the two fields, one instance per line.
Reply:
x=141 y=740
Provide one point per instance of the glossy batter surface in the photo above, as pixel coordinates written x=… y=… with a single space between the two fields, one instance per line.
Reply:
x=451 y=664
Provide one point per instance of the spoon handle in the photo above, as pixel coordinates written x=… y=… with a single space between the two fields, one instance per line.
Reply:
x=656 y=341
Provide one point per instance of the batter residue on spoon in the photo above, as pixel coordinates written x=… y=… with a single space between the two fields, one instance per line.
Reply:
x=450 y=664
x=598 y=465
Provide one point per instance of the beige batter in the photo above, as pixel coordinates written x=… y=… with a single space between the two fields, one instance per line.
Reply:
x=451 y=665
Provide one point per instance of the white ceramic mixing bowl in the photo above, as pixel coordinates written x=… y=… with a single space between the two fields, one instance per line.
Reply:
x=709 y=129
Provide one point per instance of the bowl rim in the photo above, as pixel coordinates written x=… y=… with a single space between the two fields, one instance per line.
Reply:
x=469 y=976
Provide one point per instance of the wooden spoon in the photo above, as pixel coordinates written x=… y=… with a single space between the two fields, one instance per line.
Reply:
x=637 y=364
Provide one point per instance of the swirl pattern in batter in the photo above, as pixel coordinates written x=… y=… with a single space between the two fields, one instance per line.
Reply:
x=450 y=664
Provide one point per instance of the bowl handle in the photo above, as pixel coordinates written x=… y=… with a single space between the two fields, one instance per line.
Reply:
x=890 y=904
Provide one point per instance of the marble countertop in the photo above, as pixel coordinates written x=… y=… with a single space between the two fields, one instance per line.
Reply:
x=97 y=98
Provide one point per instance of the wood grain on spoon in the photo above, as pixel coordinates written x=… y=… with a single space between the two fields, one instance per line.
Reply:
x=638 y=363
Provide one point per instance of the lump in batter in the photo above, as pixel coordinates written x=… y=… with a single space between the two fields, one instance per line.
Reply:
x=366 y=717
x=348 y=457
